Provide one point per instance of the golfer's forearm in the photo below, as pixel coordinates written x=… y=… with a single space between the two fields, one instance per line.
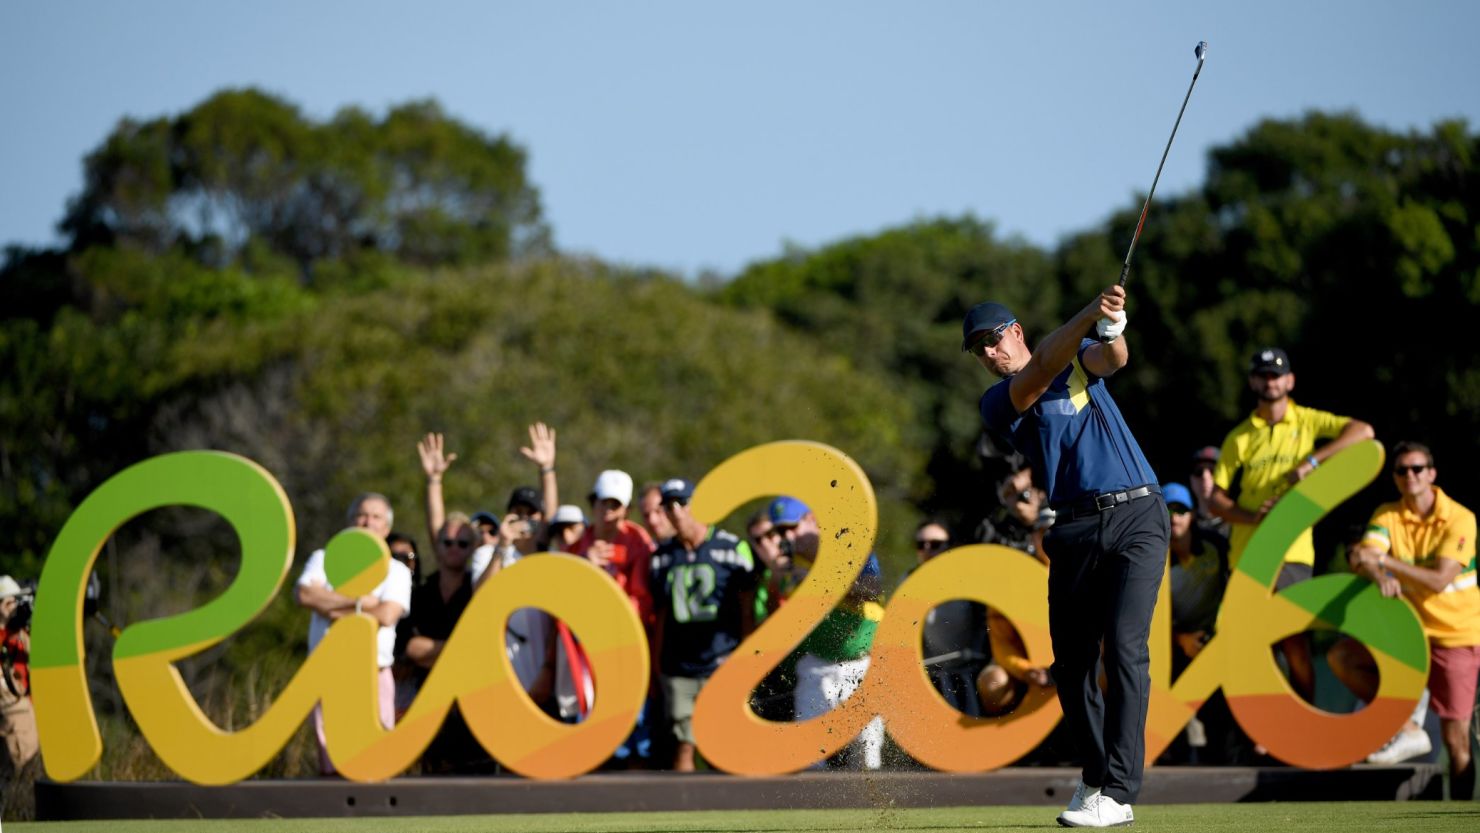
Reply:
x=1061 y=346
x=1050 y=358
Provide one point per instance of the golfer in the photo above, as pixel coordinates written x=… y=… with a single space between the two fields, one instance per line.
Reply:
x=1109 y=544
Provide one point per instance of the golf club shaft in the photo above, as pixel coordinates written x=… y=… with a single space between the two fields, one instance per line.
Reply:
x=1125 y=268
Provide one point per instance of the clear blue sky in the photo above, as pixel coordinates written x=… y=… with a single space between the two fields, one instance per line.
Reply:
x=701 y=136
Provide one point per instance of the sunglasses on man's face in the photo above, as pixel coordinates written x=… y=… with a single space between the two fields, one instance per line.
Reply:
x=1400 y=471
x=931 y=544
x=989 y=339
x=1178 y=509
x=457 y=542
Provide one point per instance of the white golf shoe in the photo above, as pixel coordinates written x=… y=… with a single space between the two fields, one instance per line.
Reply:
x=1099 y=810
x=1409 y=743
x=1082 y=793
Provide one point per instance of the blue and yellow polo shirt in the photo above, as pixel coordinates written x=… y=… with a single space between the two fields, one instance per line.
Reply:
x=1073 y=435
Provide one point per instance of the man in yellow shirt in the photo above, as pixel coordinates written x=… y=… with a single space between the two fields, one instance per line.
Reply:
x=1266 y=454
x=1423 y=548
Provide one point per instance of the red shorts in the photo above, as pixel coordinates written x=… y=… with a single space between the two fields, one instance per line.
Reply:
x=1452 y=675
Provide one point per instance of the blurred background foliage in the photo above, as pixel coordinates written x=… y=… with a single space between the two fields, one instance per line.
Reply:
x=317 y=295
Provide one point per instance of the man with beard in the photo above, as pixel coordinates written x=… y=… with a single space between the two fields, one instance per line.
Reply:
x=1262 y=457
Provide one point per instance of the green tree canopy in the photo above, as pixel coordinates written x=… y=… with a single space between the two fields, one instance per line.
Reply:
x=244 y=166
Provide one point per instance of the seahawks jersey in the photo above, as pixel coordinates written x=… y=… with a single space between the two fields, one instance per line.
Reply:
x=698 y=596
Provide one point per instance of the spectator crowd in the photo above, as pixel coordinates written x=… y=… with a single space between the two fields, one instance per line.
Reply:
x=699 y=590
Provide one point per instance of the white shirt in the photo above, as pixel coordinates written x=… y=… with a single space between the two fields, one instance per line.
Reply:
x=396 y=588
x=530 y=629
x=482 y=557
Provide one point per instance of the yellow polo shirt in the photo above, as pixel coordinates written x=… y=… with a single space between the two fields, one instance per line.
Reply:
x=1450 y=617
x=1258 y=454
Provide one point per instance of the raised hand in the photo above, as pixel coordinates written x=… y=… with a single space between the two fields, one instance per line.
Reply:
x=541 y=448
x=433 y=460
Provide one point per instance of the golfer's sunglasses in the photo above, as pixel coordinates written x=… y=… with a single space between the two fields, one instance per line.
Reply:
x=989 y=339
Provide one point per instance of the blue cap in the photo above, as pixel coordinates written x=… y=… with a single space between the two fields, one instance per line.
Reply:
x=988 y=316
x=1177 y=493
x=676 y=489
x=787 y=511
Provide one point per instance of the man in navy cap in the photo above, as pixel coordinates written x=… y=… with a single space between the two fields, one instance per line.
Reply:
x=703 y=582
x=1108 y=545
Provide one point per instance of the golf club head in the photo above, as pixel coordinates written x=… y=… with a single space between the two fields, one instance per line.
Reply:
x=1201 y=50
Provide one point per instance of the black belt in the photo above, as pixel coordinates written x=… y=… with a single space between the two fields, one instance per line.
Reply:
x=1109 y=500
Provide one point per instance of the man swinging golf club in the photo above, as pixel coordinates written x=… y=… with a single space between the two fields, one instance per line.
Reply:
x=1109 y=543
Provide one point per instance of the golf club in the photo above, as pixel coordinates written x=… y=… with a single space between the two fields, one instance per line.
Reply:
x=1201 y=51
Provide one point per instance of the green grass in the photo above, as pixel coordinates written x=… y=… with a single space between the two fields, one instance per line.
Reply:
x=1409 y=817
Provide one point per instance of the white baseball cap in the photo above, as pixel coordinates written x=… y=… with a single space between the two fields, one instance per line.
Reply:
x=9 y=587
x=613 y=484
x=568 y=513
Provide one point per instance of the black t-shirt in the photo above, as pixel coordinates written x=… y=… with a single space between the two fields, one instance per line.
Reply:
x=698 y=596
x=433 y=617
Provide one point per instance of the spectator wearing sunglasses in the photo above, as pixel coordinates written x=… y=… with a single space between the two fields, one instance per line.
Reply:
x=1198 y=576
x=1422 y=547
x=1109 y=538
x=704 y=595
x=403 y=549
x=774 y=697
x=1200 y=482
x=1198 y=573
x=955 y=633
x=1263 y=456
x=436 y=606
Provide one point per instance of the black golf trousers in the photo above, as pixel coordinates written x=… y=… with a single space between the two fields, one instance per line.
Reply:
x=1104 y=572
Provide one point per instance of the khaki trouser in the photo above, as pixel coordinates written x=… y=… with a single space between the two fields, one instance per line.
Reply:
x=18 y=728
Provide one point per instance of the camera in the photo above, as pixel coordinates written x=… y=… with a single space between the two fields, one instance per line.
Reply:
x=25 y=603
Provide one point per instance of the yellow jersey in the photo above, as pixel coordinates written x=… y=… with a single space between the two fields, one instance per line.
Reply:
x=1255 y=458
x=1451 y=617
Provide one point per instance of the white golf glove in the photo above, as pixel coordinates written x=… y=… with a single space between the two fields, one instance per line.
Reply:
x=1109 y=329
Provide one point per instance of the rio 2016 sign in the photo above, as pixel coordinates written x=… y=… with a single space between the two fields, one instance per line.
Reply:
x=341 y=671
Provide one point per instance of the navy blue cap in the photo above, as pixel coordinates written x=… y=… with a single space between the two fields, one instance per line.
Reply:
x=787 y=511
x=526 y=496
x=485 y=518
x=676 y=489
x=988 y=316
x=1270 y=360
x=1177 y=493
